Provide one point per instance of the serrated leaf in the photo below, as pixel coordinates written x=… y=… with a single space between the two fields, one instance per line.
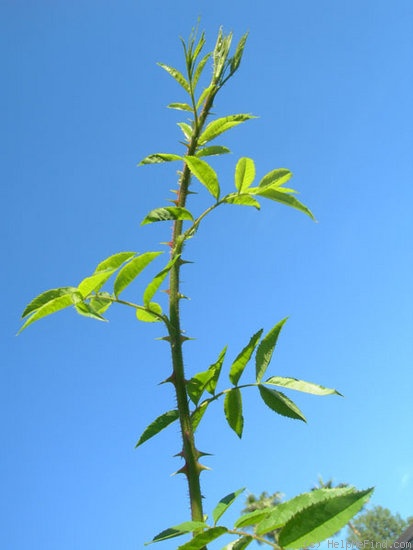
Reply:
x=167 y=213
x=280 y=514
x=224 y=504
x=131 y=270
x=46 y=297
x=158 y=158
x=204 y=173
x=199 y=69
x=284 y=198
x=85 y=309
x=322 y=520
x=198 y=413
x=280 y=403
x=243 y=200
x=252 y=518
x=244 y=173
x=114 y=261
x=180 y=106
x=150 y=314
x=266 y=349
x=177 y=75
x=178 y=530
x=233 y=411
x=196 y=385
x=276 y=177
x=212 y=150
x=239 y=544
x=300 y=385
x=215 y=369
x=199 y=541
x=240 y=362
x=204 y=95
x=156 y=282
x=187 y=130
x=158 y=425
x=51 y=306
x=94 y=282
x=221 y=125
x=236 y=59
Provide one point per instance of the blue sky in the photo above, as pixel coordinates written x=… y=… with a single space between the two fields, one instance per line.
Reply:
x=83 y=101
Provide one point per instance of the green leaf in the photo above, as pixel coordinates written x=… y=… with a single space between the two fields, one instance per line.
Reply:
x=94 y=282
x=203 y=96
x=286 y=199
x=180 y=106
x=167 y=213
x=150 y=314
x=199 y=69
x=187 y=130
x=224 y=504
x=101 y=302
x=156 y=282
x=199 y=541
x=115 y=261
x=221 y=125
x=51 y=306
x=198 y=413
x=236 y=59
x=238 y=366
x=158 y=425
x=233 y=411
x=213 y=150
x=196 y=385
x=322 y=520
x=239 y=544
x=252 y=518
x=215 y=369
x=300 y=385
x=243 y=200
x=280 y=514
x=276 y=177
x=84 y=308
x=157 y=158
x=205 y=173
x=46 y=297
x=266 y=349
x=178 y=530
x=131 y=270
x=244 y=173
x=177 y=75
x=280 y=403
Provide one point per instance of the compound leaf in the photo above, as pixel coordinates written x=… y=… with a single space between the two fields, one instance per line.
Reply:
x=212 y=150
x=266 y=349
x=200 y=541
x=94 y=282
x=150 y=314
x=276 y=177
x=61 y=301
x=156 y=282
x=215 y=369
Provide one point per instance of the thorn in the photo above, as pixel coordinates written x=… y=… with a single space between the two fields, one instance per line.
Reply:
x=185 y=338
x=181 y=454
x=170 y=379
x=202 y=467
x=182 y=262
x=166 y=338
x=180 y=471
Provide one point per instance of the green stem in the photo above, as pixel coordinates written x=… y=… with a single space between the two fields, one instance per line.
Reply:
x=192 y=467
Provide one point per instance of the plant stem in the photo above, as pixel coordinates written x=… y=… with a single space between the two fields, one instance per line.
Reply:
x=192 y=467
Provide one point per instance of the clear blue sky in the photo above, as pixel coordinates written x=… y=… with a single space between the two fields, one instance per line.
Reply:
x=82 y=102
